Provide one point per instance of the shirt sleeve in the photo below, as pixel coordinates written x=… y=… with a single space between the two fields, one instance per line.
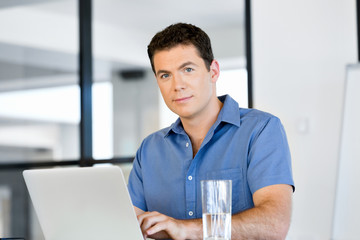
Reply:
x=135 y=184
x=269 y=160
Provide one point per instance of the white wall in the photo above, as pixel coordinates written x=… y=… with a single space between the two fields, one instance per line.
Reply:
x=300 y=50
x=347 y=208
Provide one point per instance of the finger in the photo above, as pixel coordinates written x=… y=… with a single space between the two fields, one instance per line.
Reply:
x=145 y=215
x=169 y=228
x=152 y=219
x=158 y=227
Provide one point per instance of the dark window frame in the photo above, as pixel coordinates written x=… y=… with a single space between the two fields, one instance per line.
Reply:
x=249 y=52
x=358 y=27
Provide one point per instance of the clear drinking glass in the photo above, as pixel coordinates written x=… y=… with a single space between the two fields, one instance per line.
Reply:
x=216 y=209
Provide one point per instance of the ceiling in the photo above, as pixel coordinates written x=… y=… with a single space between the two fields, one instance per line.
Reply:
x=152 y=16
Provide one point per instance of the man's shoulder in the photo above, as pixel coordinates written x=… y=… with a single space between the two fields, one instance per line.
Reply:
x=255 y=114
x=231 y=106
x=157 y=136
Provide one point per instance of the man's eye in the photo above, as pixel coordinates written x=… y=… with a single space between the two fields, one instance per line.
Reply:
x=164 y=76
x=188 y=69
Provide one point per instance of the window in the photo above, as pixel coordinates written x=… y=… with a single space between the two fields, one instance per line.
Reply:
x=39 y=100
x=122 y=31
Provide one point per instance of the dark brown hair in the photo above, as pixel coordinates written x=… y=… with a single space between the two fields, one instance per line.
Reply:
x=183 y=34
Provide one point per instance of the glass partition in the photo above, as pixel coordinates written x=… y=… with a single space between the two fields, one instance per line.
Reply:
x=39 y=100
x=39 y=95
x=131 y=107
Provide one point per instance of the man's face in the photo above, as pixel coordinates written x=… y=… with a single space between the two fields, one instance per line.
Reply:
x=188 y=88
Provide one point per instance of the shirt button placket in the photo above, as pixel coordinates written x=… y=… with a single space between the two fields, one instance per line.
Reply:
x=190 y=193
x=190 y=184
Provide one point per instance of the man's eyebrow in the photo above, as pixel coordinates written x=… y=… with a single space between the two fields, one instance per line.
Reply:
x=161 y=71
x=186 y=64
x=180 y=67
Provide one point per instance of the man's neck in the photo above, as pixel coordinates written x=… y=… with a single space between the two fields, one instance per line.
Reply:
x=197 y=128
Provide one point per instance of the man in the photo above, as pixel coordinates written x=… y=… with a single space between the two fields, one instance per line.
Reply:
x=212 y=139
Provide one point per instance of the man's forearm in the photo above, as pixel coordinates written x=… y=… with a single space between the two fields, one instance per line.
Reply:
x=255 y=223
x=194 y=229
x=258 y=223
x=269 y=219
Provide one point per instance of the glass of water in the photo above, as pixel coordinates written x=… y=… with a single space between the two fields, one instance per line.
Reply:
x=216 y=209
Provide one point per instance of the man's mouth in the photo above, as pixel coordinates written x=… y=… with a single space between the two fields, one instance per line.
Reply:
x=182 y=99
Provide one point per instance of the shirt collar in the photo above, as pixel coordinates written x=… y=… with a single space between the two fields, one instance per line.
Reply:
x=176 y=127
x=229 y=113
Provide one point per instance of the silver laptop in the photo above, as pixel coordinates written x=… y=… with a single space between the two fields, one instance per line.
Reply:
x=83 y=203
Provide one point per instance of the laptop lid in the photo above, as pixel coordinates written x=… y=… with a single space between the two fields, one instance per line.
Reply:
x=83 y=203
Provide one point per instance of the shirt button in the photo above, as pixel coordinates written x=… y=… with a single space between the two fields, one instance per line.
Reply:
x=190 y=178
x=187 y=144
x=191 y=213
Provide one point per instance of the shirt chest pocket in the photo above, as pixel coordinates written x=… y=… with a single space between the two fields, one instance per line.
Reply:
x=238 y=193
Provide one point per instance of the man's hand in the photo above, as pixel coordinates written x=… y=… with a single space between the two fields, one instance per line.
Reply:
x=156 y=225
x=159 y=226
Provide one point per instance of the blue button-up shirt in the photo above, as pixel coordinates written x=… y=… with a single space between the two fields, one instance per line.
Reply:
x=246 y=146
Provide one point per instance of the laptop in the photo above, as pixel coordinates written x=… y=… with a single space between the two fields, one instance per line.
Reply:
x=83 y=203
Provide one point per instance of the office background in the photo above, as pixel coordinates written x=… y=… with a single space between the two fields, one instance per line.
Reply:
x=299 y=52
x=47 y=120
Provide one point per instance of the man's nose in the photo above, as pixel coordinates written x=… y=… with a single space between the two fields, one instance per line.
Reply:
x=178 y=82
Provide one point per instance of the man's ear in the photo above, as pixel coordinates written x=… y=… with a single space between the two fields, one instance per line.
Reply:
x=214 y=71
